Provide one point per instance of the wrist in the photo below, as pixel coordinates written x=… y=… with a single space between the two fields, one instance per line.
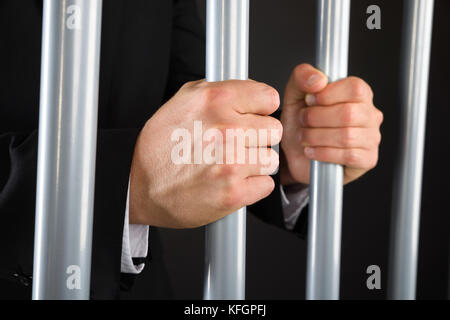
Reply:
x=139 y=202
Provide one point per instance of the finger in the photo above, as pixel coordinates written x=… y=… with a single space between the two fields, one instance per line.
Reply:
x=245 y=192
x=364 y=138
x=268 y=130
x=243 y=96
x=250 y=162
x=254 y=189
x=337 y=116
x=304 y=79
x=261 y=132
x=248 y=130
x=351 y=89
x=353 y=158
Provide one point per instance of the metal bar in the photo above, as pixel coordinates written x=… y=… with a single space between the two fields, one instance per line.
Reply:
x=226 y=58
x=325 y=210
x=418 y=24
x=67 y=149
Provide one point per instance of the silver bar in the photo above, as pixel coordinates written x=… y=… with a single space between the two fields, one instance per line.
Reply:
x=226 y=58
x=418 y=25
x=325 y=209
x=67 y=148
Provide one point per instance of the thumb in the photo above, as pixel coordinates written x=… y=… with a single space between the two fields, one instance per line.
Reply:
x=304 y=79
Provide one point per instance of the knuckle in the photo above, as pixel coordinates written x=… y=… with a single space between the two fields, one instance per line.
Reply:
x=277 y=127
x=378 y=138
x=229 y=171
x=300 y=71
x=213 y=95
x=230 y=197
x=370 y=92
x=225 y=172
x=359 y=88
x=349 y=136
x=352 y=157
x=349 y=113
x=300 y=68
x=379 y=116
x=215 y=171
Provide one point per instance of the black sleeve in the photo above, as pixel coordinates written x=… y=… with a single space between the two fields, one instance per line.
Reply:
x=187 y=57
x=18 y=158
x=270 y=209
x=187 y=63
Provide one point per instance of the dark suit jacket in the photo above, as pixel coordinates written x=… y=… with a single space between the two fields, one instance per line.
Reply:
x=149 y=49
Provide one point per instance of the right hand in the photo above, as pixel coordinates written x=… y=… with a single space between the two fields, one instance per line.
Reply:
x=165 y=194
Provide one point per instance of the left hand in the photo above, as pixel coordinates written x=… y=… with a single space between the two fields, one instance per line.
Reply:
x=334 y=122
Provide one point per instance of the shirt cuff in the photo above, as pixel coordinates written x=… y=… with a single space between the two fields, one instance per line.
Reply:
x=134 y=243
x=135 y=236
x=293 y=200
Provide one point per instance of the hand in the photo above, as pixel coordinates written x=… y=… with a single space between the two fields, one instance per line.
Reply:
x=334 y=122
x=165 y=193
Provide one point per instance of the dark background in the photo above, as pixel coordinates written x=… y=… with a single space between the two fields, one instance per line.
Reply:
x=282 y=35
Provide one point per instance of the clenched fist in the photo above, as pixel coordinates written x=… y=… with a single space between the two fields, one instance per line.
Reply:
x=329 y=122
x=188 y=185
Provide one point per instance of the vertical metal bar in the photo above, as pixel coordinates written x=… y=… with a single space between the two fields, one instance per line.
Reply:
x=67 y=148
x=226 y=58
x=418 y=24
x=325 y=210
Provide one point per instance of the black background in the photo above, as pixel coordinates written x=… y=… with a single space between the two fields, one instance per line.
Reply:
x=282 y=35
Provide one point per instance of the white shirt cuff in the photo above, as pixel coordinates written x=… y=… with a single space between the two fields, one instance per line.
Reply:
x=293 y=200
x=134 y=243
x=135 y=236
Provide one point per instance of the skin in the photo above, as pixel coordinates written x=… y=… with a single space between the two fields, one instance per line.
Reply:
x=334 y=122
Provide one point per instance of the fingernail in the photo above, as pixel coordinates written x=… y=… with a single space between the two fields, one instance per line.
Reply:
x=315 y=78
x=309 y=152
x=310 y=99
x=275 y=96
